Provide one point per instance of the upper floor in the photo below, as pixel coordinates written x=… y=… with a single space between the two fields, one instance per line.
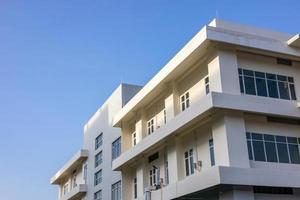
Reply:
x=225 y=66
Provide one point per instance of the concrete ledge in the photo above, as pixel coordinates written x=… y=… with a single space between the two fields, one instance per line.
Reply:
x=220 y=175
x=294 y=41
x=77 y=159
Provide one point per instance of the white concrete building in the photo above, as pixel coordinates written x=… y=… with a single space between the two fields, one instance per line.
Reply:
x=220 y=121
x=88 y=175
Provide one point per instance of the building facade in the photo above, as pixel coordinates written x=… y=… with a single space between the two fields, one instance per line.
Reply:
x=220 y=121
x=88 y=175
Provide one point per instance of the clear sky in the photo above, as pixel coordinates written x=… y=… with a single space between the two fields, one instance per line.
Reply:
x=60 y=59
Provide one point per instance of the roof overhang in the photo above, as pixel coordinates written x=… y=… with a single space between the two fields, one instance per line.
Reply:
x=294 y=41
x=261 y=41
x=71 y=165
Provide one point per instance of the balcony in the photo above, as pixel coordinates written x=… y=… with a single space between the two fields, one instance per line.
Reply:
x=71 y=165
x=76 y=193
x=201 y=110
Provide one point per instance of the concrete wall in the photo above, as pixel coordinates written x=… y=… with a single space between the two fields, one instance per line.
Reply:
x=101 y=122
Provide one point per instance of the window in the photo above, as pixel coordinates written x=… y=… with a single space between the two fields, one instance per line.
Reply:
x=206 y=81
x=85 y=172
x=116 y=191
x=189 y=162
x=266 y=84
x=74 y=179
x=166 y=164
x=66 y=189
x=133 y=135
x=99 y=141
x=185 y=101
x=116 y=148
x=98 y=177
x=98 y=195
x=283 y=61
x=150 y=126
x=211 y=152
x=165 y=116
x=98 y=159
x=154 y=176
x=135 y=188
x=271 y=148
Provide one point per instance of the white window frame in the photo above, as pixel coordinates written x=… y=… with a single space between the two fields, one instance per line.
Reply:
x=151 y=126
x=133 y=139
x=66 y=188
x=100 y=160
x=185 y=101
x=96 y=197
x=190 y=160
x=153 y=176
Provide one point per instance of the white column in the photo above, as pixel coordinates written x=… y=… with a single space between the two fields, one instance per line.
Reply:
x=223 y=72
x=172 y=102
x=141 y=127
x=142 y=178
x=173 y=161
x=230 y=144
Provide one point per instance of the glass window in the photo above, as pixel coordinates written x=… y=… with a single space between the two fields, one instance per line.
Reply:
x=273 y=89
x=258 y=150
x=261 y=87
x=249 y=85
x=135 y=188
x=211 y=151
x=133 y=138
x=98 y=159
x=294 y=153
x=150 y=126
x=116 y=148
x=98 y=195
x=271 y=152
x=206 y=81
x=293 y=93
x=266 y=85
x=189 y=162
x=116 y=191
x=283 y=90
x=98 y=177
x=99 y=141
x=185 y=101
x=283 y=155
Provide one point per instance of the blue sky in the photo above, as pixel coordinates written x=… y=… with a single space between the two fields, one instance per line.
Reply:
x=59 y=60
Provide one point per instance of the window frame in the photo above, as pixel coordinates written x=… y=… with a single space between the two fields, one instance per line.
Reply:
x=271 y=81
x=98 y=177
x=151 y=126
x=99 y=141
x=98 y=161
x=185 y=101
x=189 y=162
x=116 y=148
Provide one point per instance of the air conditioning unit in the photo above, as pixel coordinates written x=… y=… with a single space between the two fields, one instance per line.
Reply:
x=298 y=104
x=198 y=165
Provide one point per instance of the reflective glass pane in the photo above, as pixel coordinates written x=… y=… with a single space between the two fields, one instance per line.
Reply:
x=271 y=76
x=294 y=153
x=271 y=152
x=269 y=137
x=249 y=150
x=260 y=74
x=248 y=72
x=283 y=90
x=261 y=87
x=249 y=85
x=259 y=152
x=241 y=84
x=256 y=136
x=272 y=87
x=293 y=93
x=282 y=153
